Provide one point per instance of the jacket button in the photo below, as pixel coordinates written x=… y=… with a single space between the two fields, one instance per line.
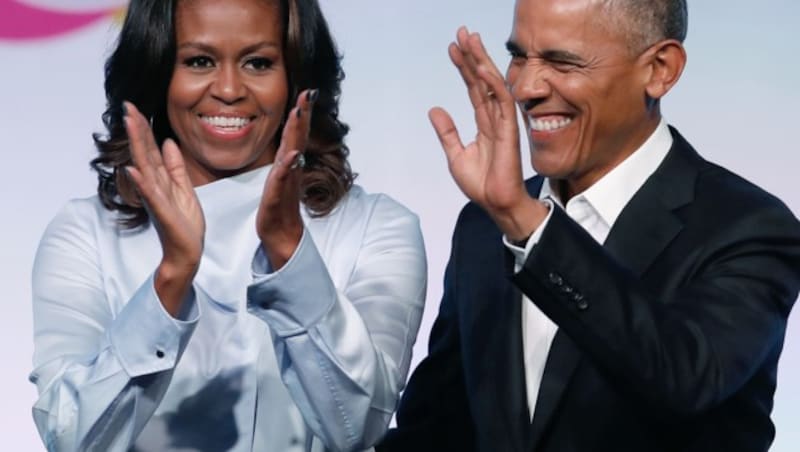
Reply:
x=556 y=279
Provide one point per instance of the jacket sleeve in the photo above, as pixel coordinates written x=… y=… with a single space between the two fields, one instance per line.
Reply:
x=687 y=352
x=344 y=352
x=434 y=413
x=99 y=375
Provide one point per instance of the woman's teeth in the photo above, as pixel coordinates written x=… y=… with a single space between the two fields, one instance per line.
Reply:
x=226 y=122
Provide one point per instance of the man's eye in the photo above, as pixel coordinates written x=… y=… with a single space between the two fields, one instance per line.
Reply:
x=198 y=62
x=259 y=64
x=563 y=66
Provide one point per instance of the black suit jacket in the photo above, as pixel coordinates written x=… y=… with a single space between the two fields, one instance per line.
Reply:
x=669 y=333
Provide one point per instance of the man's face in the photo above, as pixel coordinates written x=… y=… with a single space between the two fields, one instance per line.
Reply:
x=580 y=90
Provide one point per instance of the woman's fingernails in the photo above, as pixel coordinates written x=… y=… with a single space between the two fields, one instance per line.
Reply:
x=299 y=112
x=313 y=95
x=125 y=108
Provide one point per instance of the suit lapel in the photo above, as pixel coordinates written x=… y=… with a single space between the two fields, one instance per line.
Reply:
x=645 y=227
x=648 y=222
x=510 y=377
x=562 y=360
x=509 y=374
x=492 y=328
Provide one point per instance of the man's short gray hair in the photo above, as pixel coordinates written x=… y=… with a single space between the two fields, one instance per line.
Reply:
x=646 y=22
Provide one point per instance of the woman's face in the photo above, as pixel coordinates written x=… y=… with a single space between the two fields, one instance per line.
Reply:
x=229 y=90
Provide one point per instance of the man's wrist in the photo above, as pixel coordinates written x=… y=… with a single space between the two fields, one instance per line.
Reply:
x=519 y=223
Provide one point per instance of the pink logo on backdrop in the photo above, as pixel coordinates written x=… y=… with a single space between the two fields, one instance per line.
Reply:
x=20 y=21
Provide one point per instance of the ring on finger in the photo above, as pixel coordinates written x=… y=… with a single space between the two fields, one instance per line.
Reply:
x=299 y=161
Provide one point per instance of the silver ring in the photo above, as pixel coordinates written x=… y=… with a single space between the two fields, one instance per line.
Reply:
x=299 y=162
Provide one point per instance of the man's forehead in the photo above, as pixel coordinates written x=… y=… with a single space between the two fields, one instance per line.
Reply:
x=561 y=23
x=563 y=6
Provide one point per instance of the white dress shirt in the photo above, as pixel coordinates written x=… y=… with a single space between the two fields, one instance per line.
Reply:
x=258 y=360
x=596 y=209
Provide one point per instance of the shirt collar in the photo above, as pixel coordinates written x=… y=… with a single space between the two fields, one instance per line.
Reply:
x=609 y=195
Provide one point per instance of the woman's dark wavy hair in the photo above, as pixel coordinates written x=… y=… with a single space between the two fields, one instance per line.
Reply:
x=140 y=68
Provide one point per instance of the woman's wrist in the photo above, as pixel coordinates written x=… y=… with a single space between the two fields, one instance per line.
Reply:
x=172 y=283
x=279 y=246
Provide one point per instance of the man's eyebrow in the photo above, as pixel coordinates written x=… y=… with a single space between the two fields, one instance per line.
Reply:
x=513 y=48
x=564 y=56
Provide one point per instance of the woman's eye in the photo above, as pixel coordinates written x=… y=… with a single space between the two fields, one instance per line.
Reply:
x=258 y=64
x=198 y=62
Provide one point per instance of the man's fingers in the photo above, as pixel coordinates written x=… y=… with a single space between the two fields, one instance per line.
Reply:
x=501 y=111
x=467 y=68
x=492 y=78
x=486 y=70
x=462 y=60
x=446 y=131
x=481 y=57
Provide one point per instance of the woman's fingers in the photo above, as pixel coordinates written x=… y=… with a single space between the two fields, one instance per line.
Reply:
x=298 y=124
x=136 y=177
x=136 y=141
x=290 y=151
x=155 y=176
x=175 y=165
x=144 y=149
x=285 y=165
x=282 y=188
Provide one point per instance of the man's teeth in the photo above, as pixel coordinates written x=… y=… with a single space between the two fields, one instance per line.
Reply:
x=547 y=125
x=226 y=121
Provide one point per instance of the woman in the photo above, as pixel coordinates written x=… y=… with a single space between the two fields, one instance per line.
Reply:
x=228 y=288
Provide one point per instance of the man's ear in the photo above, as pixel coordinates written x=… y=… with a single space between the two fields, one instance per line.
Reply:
x=666 y=60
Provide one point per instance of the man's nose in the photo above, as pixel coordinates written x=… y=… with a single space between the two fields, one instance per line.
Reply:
x=532 y=83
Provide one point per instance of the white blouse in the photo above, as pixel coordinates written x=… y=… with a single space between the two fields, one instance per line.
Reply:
x=258 y=360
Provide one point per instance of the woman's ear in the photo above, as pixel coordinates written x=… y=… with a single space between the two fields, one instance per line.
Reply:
x=666 y=60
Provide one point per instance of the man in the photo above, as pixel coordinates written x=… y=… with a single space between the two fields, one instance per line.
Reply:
x=633 y=297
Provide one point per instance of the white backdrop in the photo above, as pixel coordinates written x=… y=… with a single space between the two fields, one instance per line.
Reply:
x=735 y=103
